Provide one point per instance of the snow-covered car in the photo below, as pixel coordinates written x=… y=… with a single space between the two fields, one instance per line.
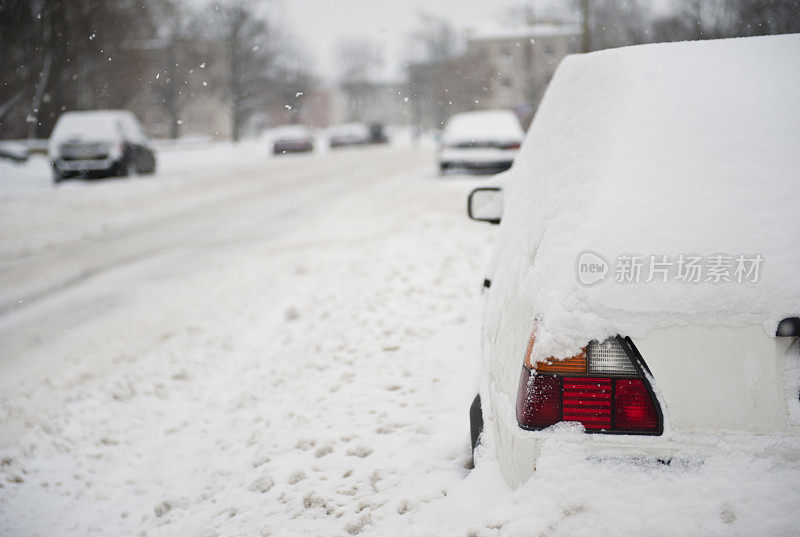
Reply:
x=644 y=283
x=99 y=142
x=349 y=134
x=292 y=139
x=486 y=140
x=14 y=151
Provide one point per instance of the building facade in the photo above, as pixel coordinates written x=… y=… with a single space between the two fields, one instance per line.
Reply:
x=523 y=60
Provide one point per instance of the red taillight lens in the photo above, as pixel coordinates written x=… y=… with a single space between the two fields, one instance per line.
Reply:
x=588 y=400
x=633 y=407
x=600 y=388
x=538 y=400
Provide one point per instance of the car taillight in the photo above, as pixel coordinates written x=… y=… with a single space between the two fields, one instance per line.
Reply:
x=604 y=388
x=515 y=145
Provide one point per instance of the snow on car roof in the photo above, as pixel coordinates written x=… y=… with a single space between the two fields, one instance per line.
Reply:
x=89 y=124
x=682 y=149
x=483 y=125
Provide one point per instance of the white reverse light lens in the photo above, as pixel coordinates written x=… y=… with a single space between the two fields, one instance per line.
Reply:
x=609 y=357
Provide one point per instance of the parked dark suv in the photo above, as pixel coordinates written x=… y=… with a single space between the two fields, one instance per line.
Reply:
x=99 y=143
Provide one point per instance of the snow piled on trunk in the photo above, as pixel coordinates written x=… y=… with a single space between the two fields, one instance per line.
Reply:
x=667 y=149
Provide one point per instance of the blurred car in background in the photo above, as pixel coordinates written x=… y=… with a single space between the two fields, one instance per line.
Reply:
x=377 y=134
x=292 y=139
x=99 y=143
x=14 y=151
x=349 y=134
x=486 y=140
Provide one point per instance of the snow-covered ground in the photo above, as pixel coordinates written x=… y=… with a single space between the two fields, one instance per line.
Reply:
x=249 y=345
x=238 y=344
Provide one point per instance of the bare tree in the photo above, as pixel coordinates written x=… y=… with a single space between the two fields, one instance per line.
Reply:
x=613 y=23
x=714 y=19
x=763 y=17
x=62 y=55
x=252 y=49
x=358 y=61
x=436 y=37
x=445 y=80
x=172 y=58
x=291 y=88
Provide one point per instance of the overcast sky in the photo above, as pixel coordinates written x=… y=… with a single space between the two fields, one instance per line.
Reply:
x=320 y=24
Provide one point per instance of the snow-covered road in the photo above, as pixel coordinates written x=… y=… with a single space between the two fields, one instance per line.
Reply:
x=263 y=346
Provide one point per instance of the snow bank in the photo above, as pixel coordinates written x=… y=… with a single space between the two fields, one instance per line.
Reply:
x=668 y=149
x=485 y=125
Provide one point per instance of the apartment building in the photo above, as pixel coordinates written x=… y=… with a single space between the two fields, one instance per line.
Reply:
x=524 y=59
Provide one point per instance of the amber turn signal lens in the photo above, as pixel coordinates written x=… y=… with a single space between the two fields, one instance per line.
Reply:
x=576 y=364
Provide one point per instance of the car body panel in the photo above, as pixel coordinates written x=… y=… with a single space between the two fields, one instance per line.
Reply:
x=708 y=380
x=479 y=157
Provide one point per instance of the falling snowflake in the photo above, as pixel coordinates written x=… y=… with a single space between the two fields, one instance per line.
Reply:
x=203 y=65
x=298 y=94
x=287 y=107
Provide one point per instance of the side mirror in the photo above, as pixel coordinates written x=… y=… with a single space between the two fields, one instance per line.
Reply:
x=485 y=204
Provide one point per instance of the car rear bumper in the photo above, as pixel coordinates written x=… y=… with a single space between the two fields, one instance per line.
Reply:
x=84 y=165
x=520 y=452
x=497 y=166
x=478 y=158
x=292 y=147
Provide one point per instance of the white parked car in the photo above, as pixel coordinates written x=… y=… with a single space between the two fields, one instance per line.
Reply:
x=645 y=284
x=487 y=140
x=99 y=142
